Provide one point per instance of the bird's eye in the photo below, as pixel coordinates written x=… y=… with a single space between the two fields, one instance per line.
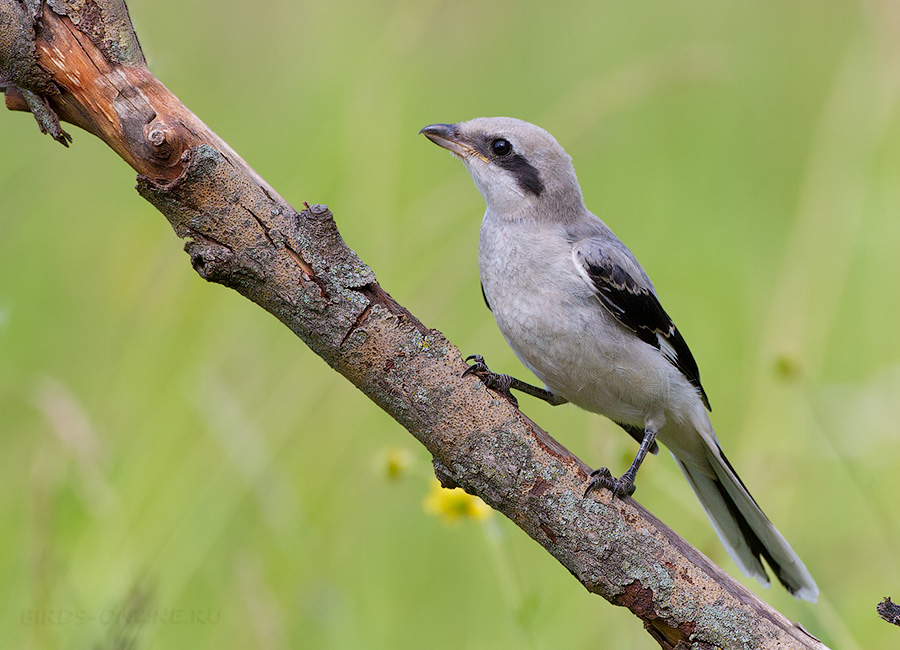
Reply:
x=501 y=147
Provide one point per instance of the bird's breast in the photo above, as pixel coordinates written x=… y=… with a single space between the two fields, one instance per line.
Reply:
x=557 y=327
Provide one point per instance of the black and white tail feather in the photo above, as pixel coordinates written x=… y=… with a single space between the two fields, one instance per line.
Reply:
x=743 y=528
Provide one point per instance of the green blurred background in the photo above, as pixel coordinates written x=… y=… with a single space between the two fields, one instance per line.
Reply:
x=169 y=446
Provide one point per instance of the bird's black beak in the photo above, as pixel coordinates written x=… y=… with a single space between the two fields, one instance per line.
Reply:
x=448 y=137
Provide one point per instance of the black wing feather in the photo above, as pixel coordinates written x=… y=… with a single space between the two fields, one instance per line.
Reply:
x=484 y=295
x=637 y=308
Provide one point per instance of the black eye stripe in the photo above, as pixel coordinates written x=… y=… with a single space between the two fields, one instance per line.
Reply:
x=526 y=175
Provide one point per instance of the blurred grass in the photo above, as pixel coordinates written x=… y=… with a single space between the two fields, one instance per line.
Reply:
x=168 y=444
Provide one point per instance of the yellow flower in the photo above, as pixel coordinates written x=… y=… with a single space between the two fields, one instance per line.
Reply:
x=453 y=505
x=393 y=463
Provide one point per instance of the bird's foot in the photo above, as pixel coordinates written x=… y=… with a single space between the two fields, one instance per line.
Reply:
x=622 y=486
x=494 y=381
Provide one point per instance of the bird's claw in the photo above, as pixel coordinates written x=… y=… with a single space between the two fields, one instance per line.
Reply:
x=495 y=381
x=478 y=367
x=622 y=486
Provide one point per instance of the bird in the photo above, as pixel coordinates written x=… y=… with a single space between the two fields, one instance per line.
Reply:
x=581 y=313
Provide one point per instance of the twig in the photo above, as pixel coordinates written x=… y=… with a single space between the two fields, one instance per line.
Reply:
x=889 y=611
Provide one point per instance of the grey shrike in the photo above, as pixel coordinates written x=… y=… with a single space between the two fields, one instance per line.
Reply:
x=580 y=312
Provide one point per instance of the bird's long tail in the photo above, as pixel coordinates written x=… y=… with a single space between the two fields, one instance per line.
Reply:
x=745 y=531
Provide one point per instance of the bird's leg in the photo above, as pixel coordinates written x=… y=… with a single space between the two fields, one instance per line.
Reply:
x=624 y=485
x=504 y=383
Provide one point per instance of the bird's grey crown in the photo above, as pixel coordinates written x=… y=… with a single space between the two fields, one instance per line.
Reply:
x=537 y=168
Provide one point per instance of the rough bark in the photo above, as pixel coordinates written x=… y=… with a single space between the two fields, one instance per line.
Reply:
x=79 y=61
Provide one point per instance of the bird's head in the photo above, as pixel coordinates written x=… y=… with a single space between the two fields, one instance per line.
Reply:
x=518 y=167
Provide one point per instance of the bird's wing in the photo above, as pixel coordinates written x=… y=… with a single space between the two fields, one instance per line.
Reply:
x=627 y=293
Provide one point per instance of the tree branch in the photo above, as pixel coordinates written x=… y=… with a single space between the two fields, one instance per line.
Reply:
x=79 y=61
